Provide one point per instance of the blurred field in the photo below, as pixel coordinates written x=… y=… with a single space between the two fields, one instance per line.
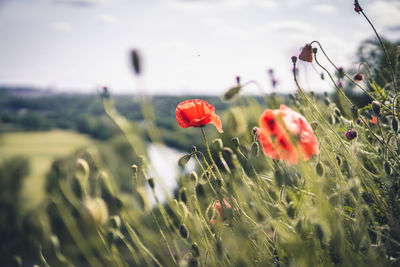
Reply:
x=41 y=148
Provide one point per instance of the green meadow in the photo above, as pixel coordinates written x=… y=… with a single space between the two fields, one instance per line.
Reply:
x=41 y=148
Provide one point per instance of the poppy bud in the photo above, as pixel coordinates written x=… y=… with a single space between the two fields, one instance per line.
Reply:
x=182 y=195
x=232 y=92
x=294 y=59
x=395 y=125
x=255 y=149
x=320 y=169
x=314 y=125
x=388 y=169
x=255 y=131
x=306 y=53
x=357 y=7
x=151 y=182
x=340 y=73
x=135 y=57
x=339 y=160
x=235 y=142
x=351 y=134
x=219 y=146
x=194 y=149
x=184 y=160
x=195 y=250
x=115 y=222
x=358 y=77
x=337 y=112
x=194 y=177
x=376 y=108
x=184 y=231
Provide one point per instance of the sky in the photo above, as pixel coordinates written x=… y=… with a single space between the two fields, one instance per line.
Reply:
x=186 y=46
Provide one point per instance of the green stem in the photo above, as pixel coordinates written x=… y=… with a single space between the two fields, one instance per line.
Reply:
x=209 y=151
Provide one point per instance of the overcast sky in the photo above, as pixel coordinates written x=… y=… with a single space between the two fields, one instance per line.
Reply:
x=191 y=47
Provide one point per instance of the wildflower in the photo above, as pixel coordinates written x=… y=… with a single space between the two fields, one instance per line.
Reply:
x=197 y=113
x=218 y=208
x=306 y=53
x=358 y=77
x=351 y=134
x=280 y=128
x=340 y=84
x=357 y=7
x=373 y=121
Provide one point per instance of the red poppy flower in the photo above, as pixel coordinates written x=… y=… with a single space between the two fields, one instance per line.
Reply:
x=286 y=135
x=306 y=53
x=373 y=121
x=218 y=208
x=197 y=113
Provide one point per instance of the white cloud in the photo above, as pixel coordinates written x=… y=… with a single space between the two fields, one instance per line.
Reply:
x=210 y=5
x=385 y=14
x=324 y=8
x=61 y=26
x=289 y=26
x=107 y=19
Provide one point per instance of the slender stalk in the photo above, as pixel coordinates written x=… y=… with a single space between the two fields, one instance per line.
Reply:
x=209 y=151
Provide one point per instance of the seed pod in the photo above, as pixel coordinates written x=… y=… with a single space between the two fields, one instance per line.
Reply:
x=320 y=169
x=255 y=149
x=195 y=250
x=395 y=125
x=183 y=231
x=315 y=50
x=294 y=59
x=376 y=108
x=388 y=169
